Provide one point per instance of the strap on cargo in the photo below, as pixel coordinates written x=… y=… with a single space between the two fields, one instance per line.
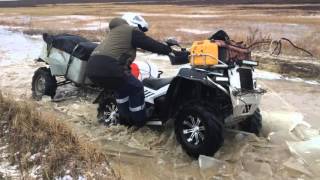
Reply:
x=71 y=58
x=49 y=47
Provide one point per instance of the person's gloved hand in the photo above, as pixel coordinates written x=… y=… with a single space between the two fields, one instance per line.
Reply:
x=179 y=57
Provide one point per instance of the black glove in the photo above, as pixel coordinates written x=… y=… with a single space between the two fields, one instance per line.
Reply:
x=179 y=57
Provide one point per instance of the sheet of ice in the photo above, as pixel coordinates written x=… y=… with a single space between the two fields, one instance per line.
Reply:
x=206 y=162
x=17 y=47
x=193 y=31
x=309 y=152
x=282 y=120
x=297 y=165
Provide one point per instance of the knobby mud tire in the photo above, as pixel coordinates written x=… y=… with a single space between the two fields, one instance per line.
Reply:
x=213 y=134
x=50 y=83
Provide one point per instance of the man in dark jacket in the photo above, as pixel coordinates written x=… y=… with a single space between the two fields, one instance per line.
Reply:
x=109 y=64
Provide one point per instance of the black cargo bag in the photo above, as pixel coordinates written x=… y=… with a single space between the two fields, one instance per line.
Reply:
x=77 y=46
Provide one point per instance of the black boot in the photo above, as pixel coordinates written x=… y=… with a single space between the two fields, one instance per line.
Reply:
x=124 y=120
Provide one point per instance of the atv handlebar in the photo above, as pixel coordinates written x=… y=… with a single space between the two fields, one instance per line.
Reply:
x=179 y=57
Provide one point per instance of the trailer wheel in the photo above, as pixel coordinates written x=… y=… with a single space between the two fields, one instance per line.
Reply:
x=43 y=83
x=108 y=109
x=198 y=131
x=252 y=124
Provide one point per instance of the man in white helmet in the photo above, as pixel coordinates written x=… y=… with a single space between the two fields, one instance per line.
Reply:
x=109 y=64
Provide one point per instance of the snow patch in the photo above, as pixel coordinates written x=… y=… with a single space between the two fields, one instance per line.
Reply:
x=11 y=27
x=35 y=171
x=68 y=177
x=96 y=25
x=175 y=15
x=7 y=170
x=35 y=156
x=73 y=17
x=315 y=16
x=260 y=74
x=4 y=147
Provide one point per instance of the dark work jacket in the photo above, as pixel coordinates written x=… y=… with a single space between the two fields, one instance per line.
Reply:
x=113 y=57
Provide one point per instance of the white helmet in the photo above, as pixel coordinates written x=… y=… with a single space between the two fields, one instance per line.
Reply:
x=136 y=20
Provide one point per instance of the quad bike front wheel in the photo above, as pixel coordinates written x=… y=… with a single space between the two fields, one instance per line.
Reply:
x=198 y=131
x=43 y=83
x=108 y=110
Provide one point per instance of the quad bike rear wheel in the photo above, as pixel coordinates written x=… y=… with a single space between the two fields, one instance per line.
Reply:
x=43 y=83
x=108 y=110
x=252 y=124
x=198 y=131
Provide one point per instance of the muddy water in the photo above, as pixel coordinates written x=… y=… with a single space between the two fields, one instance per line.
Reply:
x=153 y=153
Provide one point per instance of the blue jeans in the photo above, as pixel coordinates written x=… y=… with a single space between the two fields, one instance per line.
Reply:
x=130 y=100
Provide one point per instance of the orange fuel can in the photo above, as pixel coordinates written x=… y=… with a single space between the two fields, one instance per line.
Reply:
x=204 y=53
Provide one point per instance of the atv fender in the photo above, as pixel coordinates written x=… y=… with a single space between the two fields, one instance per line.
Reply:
x=190 y=85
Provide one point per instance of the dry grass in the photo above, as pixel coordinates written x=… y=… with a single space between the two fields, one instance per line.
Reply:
x=240 y=21
x=30 y=132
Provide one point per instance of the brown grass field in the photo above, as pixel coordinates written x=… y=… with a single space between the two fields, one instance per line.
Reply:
x=29 y=132
x=300 y=23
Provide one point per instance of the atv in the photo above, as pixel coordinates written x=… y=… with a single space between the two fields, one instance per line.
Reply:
x=216 y=90
x=203 y=98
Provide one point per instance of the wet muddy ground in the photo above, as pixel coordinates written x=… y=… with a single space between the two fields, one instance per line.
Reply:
x=288 y=109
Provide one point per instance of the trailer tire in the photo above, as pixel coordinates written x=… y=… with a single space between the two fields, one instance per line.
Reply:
x=43 y=83
x=207 y=129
